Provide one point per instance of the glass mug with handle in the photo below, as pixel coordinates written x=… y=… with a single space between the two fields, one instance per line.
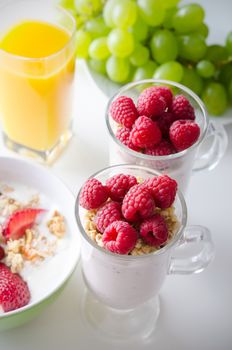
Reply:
x=122 y=290
x=180 y=166
x=37 y=64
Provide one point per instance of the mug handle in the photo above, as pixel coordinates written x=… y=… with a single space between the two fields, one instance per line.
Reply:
x=210 y=159
x=192 y=263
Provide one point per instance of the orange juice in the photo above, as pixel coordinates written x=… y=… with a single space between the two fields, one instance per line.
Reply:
x=36 y=76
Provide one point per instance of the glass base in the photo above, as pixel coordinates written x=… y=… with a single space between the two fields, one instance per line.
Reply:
x=45 y=157
x=116 y=324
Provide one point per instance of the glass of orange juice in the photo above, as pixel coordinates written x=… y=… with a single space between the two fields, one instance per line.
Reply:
x=37 y=66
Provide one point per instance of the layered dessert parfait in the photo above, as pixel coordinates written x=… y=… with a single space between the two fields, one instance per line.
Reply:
x=156 y=128
x=32 y=232
x=127 y=221
x=161 y=124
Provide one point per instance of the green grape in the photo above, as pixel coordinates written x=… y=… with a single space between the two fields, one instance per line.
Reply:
x=139 y=30
x=203 y=30
x=192 y=80
x=225 y=74
x=205 y=69
x=124 y=14
x=139 y=56
x=79 y=21
x=164 y=46
x=96 y=27
x=88 y=7
x=68 y=4
x=215 y=98
x=98 y=66
x=145 y=72
x=216 y=54
x=120 y=42
x=169 y=71
x=170 y=3
x=152 y=11
x=83 y=40
x=131 y=74
x=229 y=42
x=168 y=19
x=192 y=47
x=118 y=69
x=98 y=49
x=108 y=11
x=188 y=18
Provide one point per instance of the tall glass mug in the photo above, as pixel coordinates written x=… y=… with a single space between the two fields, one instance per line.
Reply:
x=122 y=297
x=204 y=154
x=36 y=77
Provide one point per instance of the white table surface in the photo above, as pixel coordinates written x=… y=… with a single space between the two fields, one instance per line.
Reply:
x=195 y=310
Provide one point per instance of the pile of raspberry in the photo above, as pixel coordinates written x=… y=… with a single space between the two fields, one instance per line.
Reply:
x=160 y=125
x=126 y=210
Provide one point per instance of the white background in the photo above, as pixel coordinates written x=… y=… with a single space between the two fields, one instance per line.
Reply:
x=195 y=310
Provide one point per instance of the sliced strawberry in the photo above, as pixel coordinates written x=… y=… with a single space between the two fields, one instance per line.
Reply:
x=19 y=222
x=14 y=291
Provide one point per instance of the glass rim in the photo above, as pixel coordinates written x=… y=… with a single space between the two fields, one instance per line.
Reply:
x=126 y=257
x=53 y=55
x=159 y=81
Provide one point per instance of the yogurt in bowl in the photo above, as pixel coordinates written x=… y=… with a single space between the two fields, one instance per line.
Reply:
x=54 y=239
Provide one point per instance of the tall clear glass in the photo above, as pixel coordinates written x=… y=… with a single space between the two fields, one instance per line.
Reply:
x=204 y=154
x=36 y=92
x=122 y=297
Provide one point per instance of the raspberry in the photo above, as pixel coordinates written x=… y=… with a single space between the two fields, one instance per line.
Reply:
x=145 y=133
x=107 y=214
x=164 y=148
x=163 y=190
x=118 y=185
x=181 y=108
x=183 y=134
x=166 y=93
x=2 y=253
x=154 y=230
x=151 y=103
x=164 y=122
x=138 y=204
x=123 y=135
x=123 y=111
x=93 y=194
x=119 y=237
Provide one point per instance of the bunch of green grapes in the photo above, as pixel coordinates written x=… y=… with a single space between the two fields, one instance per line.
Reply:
x=131 y=40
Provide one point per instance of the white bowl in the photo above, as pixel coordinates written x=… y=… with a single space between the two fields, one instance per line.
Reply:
x=54 y=273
